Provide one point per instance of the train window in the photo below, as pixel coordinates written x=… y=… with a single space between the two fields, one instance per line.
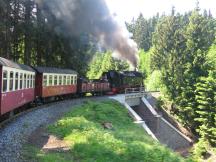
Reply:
x=72 y=80
x=31 y=80
x=50 y=80
x=55 y=80
x=11 y=80
x=28 y=78
x=5 y=74
x=16 y=80
x=64 y=80
x=24 y=86
x=60 y=80
x=26 y=81
x=21 y=81
x=68 y=80
x=75 y=80
x=45 y=80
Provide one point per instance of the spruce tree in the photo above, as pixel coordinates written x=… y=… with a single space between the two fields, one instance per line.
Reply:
x=169 y=46
x=141 y=34
x=199 y=37
x=206 y=108
x=181 y=46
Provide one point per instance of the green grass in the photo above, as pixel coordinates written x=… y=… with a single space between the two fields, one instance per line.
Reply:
x=33 y=154
x=90 y=142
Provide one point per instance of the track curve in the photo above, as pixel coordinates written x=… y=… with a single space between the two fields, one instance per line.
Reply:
x=14 y=133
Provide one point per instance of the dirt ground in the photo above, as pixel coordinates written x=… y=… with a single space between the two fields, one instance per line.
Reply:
x=47 y=142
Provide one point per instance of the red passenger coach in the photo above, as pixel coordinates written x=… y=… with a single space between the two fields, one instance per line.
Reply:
x=53 y=82
x=17 y=85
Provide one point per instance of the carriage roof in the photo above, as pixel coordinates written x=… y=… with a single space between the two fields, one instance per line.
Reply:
x=54 y=70
x=9 y=63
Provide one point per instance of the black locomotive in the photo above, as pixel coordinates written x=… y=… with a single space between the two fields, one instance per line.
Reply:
x=119 y=81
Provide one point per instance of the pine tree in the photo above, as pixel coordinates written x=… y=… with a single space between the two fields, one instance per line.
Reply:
x=102 y=62
x=206 y=108
x=169 y=46
x=28 y=4
x=198 y=36
x=95 y=66
x=142 y=30
x=5 y=27
x=141 y=34
x=181 y=46
x=144 y=62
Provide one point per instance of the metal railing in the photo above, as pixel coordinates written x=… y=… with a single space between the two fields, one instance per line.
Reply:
x=135 y=90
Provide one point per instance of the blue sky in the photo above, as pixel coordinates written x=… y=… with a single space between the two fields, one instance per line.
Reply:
x=127 y=9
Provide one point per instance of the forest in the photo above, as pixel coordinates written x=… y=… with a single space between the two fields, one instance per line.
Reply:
x=177 y=56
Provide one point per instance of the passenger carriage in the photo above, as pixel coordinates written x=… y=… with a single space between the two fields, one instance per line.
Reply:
x=17 y=85
x=54 y=82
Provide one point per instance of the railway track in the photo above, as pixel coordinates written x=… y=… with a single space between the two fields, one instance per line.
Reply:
x=15 y=131
x=22 y=111
x=5 y=120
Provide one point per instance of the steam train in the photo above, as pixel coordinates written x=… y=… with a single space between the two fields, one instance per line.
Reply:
x=21 y=84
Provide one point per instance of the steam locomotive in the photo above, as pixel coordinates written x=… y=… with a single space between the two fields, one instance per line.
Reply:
x=21 y=84
x=119 y=81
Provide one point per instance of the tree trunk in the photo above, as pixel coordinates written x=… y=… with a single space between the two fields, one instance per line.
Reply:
x=27 y=34
x=7 y=35
x=39 y=41
x=16 y=53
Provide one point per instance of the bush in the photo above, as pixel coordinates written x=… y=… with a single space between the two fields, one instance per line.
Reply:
x=200 y=150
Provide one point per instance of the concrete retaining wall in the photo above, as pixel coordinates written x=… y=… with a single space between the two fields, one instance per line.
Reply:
x=170 y=136
x=147 y=116
x=133 y=101
x=154 y=124
x=162 y=129
x=139 y=121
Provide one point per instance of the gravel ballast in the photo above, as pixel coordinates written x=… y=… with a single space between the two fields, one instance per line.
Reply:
x=15 y=134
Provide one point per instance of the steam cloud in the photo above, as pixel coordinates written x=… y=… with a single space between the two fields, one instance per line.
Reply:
x=94 y=17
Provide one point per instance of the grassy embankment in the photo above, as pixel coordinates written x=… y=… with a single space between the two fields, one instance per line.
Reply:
x=90 y=142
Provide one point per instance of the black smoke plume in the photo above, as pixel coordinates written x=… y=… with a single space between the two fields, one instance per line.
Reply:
x=93 y=17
